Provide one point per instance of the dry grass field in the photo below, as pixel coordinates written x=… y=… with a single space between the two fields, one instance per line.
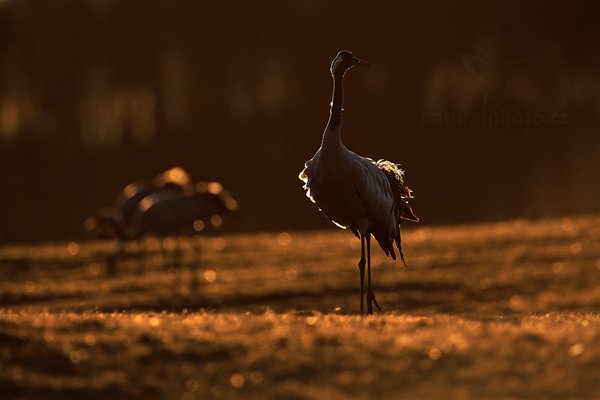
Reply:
x=504 y=310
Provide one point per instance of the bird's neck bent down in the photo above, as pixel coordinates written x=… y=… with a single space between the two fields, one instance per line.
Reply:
x=332 y=136
x=118 y=226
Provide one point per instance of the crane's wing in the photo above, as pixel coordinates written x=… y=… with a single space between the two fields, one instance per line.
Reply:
x=402 y=193
x=401 y=210
x=369 y=197
x=313 y=192
x=375 y=192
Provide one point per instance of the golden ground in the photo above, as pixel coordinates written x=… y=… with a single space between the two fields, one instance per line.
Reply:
x=506 y=310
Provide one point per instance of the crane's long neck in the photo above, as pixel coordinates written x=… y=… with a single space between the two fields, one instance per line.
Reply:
x=332 y=134
x=117 y=225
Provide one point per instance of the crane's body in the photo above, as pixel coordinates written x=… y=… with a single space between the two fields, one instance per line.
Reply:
x=350 y=190
x=169 y=211
x=173 y=179
x=368 y=197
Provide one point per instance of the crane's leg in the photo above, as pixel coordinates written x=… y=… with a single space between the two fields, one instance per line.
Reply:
x=195 y=265
x=139 y=256
x=370 y=294
x=361 y=268
x=113 y=258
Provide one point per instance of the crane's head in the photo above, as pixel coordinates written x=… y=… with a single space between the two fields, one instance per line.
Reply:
x=344 y=61
x=106 y=223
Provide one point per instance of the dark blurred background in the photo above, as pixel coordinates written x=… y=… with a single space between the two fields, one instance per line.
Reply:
x=492 y=107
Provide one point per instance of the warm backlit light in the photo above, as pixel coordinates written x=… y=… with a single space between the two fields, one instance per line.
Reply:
x=73 y=248
x=216 y=220
x=558 y=267
x=237 y=380
x=30 y=287
x=284 y=239
x=291 y=274
x=198 y=225
x=218 y=244
x=231 y=204
x=146 y=203
x=576 y=350
x=169 y=244
x=214 y=187
x=90 y=339
x=130 y=190
x=96 y=268
x=9 y=119
x=175 y=175
x=434 y=353
x=210 y=276
x=576 y=248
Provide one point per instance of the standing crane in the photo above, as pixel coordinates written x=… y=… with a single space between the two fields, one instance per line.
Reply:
x=127 y=201
x=357 y=193
x=126 y=204
x=169 y=212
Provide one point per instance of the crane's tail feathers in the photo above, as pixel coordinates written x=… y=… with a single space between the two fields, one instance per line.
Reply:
x=398 y=240
x=402 y=256
x=402 y=193
x=385 y=242
x=392 y=253
x=399 y=246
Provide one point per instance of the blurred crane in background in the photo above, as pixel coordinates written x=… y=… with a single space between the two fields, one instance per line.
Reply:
x=127 y=202
x=170 y=206
x=171 y=212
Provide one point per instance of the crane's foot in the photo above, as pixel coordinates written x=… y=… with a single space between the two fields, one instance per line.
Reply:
x=370 y=301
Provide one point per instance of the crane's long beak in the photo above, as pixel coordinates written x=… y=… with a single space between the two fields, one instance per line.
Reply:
x=358 y=61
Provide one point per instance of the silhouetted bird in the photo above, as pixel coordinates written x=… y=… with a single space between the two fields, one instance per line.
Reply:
x=127 y=201
x=368 y=197
x=169 y=212
x=126 y=204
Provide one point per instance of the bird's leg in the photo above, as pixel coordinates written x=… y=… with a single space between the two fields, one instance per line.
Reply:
x=361 y=268
x=147 y=254
x=111 y=262
x=139 y=256
x=370 y=294
x=195 y=265
x=177 y=268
